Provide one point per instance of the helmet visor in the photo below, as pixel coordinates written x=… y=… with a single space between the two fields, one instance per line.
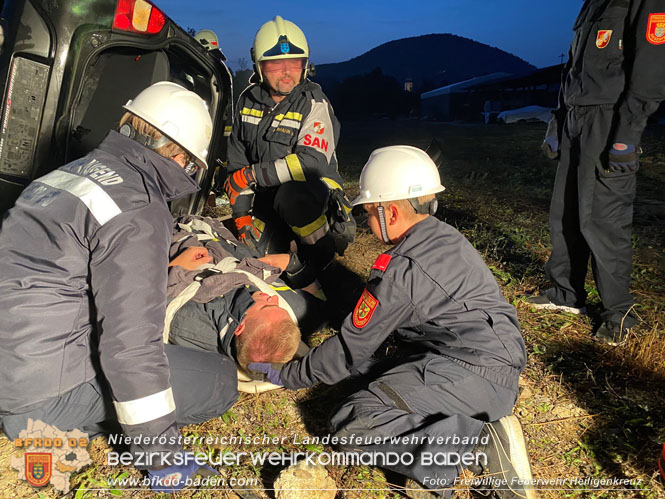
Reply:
x=280 y=65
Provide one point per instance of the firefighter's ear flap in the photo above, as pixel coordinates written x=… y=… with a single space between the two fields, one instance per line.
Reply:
x=127 y=130
x=255 y=78
x=433 y=206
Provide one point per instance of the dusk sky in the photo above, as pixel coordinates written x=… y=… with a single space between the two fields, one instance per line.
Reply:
x=535 y=30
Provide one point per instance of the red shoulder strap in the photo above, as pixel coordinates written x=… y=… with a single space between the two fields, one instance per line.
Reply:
x=382 y=262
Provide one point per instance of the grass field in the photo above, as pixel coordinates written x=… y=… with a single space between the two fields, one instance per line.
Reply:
x=588 y=410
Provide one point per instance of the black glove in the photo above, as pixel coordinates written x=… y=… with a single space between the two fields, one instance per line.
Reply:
x=622 y=158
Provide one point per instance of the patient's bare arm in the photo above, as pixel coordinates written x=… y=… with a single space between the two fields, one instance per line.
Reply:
x=191 y=258
x=279 y=260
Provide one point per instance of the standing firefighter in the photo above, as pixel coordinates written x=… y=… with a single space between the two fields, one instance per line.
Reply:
x=83 y=274
x=283 y=182
x=613 y=81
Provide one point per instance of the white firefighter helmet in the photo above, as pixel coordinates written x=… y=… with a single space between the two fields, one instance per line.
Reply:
x=279 y=39
x=207 y=38
x=179 y=114
x=397 y=172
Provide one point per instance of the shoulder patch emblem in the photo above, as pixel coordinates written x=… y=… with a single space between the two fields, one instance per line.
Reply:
x=603 y=38
x=381 y=263
x=656 y=29
x=364 y=309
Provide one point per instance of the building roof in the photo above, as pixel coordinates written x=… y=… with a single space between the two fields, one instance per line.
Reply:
x=461 y=85
x=542 y=76
x=548 y=75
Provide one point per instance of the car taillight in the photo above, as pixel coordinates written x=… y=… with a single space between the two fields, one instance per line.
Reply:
x=138 y=16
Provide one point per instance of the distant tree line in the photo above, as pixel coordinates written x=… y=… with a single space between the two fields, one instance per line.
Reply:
x=372 y=94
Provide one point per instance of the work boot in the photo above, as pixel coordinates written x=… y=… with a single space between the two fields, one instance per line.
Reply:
x=312 y=259
x=316 y=290
x=507 y=459
x=542 y=302
x=612 y=333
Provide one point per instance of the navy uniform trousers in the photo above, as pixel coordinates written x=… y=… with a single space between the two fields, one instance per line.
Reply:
x=591 y=214
x=299 y=205
x=89 y=406
x=424 y=397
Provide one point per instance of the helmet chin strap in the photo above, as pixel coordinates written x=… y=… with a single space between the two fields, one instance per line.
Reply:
x=382 y=224
x=151 y=143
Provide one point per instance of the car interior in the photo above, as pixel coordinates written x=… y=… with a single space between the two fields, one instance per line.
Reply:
x=106 y=87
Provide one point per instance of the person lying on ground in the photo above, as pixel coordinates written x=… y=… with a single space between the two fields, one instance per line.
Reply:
x=240 y=308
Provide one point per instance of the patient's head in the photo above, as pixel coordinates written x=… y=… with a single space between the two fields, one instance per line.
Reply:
x=267 y=333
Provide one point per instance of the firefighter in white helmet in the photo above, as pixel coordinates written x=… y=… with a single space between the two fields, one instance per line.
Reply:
x=86 y=287
x=460 y=351
x=283 y=182
x=207 y=38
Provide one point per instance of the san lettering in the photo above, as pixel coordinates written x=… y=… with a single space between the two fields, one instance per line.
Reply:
x=316 y=142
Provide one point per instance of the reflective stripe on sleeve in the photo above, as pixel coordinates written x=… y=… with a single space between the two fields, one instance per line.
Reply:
x=282 y=171
x=145 y=409
x=227 y=130
x=314 y=231
x=100 y=204
x=331 y=183
x=259 y=224
x=295 y=168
